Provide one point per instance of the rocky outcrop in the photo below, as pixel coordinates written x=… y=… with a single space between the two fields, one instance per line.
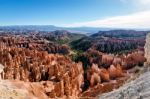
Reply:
x=147 y=48
x=62 y=76
x=46 y=75
x=137 y=89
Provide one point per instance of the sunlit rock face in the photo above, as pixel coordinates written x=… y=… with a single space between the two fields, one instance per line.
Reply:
x=49 y=75
x=147 y=48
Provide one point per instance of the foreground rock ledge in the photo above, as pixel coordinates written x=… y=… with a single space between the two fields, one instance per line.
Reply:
x=137 y=89
x=8 y=91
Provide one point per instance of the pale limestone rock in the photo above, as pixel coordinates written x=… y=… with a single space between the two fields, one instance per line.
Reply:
x=147 y=48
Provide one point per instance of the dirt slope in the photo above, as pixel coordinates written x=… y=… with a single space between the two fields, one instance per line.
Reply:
x=8 y=91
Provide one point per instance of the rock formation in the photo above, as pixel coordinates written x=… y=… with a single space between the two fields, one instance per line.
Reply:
x=28 y=64
x=147 y=48
x=1 y=71
x=62 y=76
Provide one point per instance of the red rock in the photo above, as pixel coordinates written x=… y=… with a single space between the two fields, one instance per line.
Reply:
x=95 y=79
x=115 y=72
x=95 y=68
x=112 y=72
x=104 y=74
x=107 y=60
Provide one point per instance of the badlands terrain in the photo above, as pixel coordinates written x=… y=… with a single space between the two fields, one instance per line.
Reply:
x=61 y=64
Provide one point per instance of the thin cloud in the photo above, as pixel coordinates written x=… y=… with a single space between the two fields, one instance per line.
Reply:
x=135 y=20
x=142 y=2
x=138 y=3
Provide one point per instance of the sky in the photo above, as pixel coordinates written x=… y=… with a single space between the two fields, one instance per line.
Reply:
x=76 y=13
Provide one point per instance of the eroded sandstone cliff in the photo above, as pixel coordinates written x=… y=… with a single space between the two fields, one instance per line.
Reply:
x=138 y=88
x=43 y=75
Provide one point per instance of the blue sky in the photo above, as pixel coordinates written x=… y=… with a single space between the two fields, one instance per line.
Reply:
x=68 y=12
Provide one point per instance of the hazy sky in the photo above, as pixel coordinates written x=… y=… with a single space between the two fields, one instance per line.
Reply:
x=94 y=13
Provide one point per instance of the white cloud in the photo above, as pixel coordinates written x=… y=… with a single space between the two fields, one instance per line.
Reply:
x=139 y=19
x=142 y=2
x=139 y=3
x=135 y=20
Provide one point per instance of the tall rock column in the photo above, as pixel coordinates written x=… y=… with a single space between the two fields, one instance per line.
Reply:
x=147 y=48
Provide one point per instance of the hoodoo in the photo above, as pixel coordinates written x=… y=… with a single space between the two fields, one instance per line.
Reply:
x=147 y=48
